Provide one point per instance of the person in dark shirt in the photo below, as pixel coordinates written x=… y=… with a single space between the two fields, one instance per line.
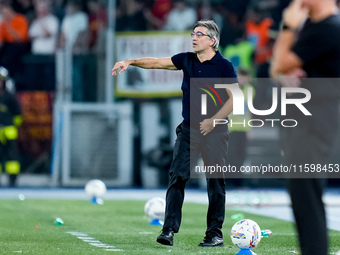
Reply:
x=308 y=47
x=196 y=135
x=130 y=16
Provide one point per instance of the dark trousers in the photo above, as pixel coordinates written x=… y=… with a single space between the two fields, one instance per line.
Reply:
x=303 y=146
x=190 y=144
x=309 y=213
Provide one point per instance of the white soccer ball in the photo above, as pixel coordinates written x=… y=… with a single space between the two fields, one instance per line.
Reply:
x=155 y=208
x=246 y=234
x=95 y=188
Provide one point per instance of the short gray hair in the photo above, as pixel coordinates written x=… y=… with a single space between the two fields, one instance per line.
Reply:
x=213 y=31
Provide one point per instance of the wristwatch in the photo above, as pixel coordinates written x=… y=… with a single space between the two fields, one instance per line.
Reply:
x=285 y=27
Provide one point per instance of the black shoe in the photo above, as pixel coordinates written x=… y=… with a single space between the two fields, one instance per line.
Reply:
x=166 y=237
x=211 y=242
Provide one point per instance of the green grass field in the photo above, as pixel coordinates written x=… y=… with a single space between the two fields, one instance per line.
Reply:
x=27 y=227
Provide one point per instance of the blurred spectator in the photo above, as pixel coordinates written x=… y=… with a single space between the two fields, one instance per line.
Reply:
x=130 y=16
x=241 y=56
x=44 y=29
x=26 y=8
x=97 y=20
x=258 y=34
x=157 y=13
x=238 y=7
x=232 y=28
x=233 y=13
x=13 y=39
x=74 y=36
x=43 y=33
x=204 y=10
x=74 y=28
x=257 y=29
x=74 y=32
x=181 y=17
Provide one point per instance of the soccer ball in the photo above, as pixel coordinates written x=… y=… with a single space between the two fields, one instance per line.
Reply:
x=95 y=188
x=246 y=234
x=155 y=209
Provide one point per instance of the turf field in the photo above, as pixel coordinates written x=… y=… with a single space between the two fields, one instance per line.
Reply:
x=119 y=227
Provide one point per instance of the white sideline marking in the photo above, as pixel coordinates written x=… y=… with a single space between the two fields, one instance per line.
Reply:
x=102 y=245
x=85 y=237
x=92 y=241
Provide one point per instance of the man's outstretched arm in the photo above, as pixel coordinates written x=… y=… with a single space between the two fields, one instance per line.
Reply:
x=147 y=63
